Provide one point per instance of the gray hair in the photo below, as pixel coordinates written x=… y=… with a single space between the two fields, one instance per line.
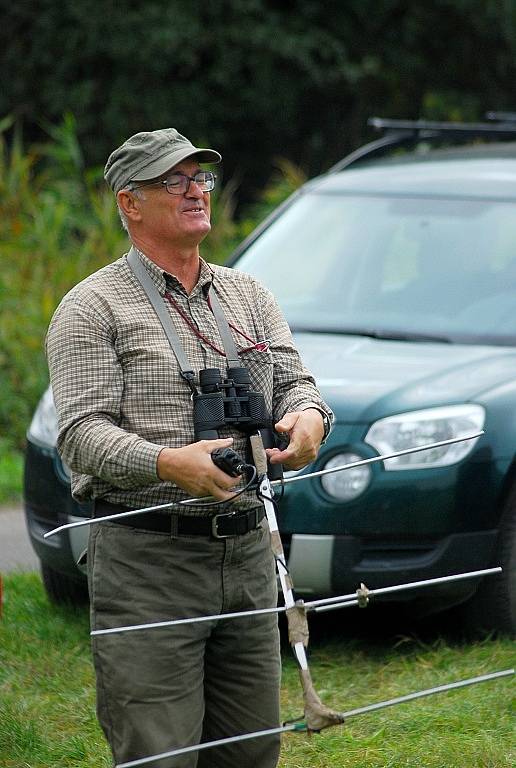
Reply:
x=123 y=217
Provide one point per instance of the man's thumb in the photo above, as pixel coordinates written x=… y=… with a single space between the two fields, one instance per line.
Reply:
x=286 y=423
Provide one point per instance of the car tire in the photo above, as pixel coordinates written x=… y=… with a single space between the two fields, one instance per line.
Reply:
x=62 y=589
x=493 y=606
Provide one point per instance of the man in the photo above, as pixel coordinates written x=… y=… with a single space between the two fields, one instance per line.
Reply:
x=126 y=430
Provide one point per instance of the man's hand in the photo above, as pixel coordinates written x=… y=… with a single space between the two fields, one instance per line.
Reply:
x=306 y=431
x=193 y=470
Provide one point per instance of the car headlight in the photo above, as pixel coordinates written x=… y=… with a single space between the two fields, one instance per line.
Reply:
x=410 y=430
x=43 y=427
x=350 y=483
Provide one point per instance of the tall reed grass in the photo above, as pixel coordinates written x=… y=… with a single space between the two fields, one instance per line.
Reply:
x=58 y=223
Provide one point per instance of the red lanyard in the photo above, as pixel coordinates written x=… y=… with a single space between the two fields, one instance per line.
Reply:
x=259 y=346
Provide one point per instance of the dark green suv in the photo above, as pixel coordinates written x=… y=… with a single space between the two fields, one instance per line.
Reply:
x=398 y=277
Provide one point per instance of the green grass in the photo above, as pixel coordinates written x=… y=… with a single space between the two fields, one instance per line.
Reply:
x=47 y=701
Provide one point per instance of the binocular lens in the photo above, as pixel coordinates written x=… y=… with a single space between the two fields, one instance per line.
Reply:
x=240 y=376
x=210 y=379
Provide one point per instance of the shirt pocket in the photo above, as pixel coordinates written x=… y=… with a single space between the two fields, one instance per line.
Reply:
x=261 y=372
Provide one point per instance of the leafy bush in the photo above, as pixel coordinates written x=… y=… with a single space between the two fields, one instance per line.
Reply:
x=58 y=223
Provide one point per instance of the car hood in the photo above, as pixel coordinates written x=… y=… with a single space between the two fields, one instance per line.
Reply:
x=364 y=379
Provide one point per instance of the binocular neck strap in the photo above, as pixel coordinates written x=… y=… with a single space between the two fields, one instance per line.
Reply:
x=233 y=361
x=155 y=299
x=224 y=330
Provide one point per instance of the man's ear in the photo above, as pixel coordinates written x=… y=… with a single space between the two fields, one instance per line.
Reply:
x=129 y=205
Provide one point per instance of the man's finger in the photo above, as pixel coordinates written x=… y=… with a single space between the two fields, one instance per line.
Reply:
x=287 y=422
x=281 y=457
x=220 y=442
x=225 y=481
x=219 y=493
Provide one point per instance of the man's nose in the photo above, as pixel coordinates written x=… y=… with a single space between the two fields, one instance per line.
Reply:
x=194 y=190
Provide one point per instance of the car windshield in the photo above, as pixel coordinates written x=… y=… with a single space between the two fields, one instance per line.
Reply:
x=393 y=267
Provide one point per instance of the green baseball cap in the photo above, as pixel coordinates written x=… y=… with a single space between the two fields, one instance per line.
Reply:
x=149 y=154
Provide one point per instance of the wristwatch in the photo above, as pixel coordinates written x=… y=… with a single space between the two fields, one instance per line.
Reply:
x=326 y=420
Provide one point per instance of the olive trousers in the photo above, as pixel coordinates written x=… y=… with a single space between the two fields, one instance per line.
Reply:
x=166 y=688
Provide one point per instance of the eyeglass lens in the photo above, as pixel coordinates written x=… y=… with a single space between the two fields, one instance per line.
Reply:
x=179 y=183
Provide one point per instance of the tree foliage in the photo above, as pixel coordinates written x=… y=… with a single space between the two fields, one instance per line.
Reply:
x=255 y=78
x=58 y=224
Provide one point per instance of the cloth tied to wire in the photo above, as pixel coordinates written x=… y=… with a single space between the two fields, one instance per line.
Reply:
x=317 y=715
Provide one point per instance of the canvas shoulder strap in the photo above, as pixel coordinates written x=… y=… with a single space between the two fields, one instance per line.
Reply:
x=156 y=300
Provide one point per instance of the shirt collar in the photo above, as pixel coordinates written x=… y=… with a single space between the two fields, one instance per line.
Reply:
x=165 y=281
x=205 y=279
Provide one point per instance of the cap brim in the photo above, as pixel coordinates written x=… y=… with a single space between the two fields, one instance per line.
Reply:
x=170 y=159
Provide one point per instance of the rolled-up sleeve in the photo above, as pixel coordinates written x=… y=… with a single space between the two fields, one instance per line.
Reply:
x=87 y=384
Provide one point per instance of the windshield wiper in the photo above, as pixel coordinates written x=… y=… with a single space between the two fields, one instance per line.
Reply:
x=374 y=333
x=409 y=336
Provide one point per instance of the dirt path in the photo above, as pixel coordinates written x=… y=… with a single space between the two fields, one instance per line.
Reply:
x=16 y=553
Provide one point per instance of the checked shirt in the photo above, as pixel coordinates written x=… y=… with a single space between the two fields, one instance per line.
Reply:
x=116 y=383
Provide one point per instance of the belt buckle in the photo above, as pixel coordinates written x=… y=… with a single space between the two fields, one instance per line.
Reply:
x=214 y=526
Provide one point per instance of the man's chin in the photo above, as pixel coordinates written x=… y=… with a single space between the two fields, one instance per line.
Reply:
x=197 y=235
x=203 y=231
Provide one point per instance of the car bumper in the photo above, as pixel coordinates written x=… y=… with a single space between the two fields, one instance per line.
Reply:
x=48 y=504
x=323 y=565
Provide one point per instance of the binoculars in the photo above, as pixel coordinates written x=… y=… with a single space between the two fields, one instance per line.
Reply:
x=227 y=401
x=231 y=402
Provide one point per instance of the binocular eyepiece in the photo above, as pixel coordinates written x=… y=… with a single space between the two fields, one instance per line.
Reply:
x=227 y=401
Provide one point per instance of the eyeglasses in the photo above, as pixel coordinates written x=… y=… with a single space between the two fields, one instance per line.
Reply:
x=179 y=183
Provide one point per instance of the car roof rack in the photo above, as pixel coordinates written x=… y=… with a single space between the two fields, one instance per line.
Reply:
x=399 y=133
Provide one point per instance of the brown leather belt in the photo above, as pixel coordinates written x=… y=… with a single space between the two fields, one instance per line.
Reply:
x=219 y=526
